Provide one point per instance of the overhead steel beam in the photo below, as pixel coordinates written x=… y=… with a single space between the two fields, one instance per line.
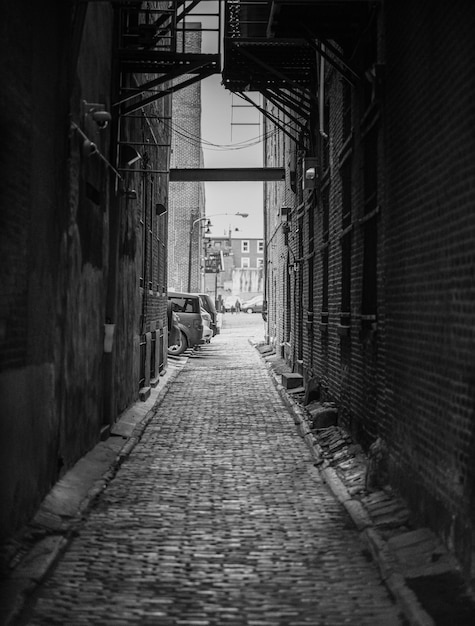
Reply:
x=230 y=174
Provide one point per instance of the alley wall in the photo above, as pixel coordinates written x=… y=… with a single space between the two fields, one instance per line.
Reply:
x=370 y=280
x=83 y=244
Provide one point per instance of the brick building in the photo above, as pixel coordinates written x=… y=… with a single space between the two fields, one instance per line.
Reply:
x=241 y=263
x=187 y=198
x=84 y=233
x=369 y=244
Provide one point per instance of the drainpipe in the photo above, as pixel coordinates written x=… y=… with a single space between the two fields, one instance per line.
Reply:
x=321 y=97
x=264 y=304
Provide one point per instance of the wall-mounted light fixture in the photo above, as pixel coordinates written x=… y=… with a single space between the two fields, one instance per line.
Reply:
x=160 y=209
x=310 y=172
x=88 y=148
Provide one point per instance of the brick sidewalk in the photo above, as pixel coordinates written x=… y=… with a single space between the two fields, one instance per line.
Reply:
x=218 y=516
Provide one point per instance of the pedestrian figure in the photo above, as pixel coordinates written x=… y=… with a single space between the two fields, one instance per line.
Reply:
x=238 y=306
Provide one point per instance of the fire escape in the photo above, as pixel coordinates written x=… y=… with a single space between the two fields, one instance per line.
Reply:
x=272 y=46
x=158 y=52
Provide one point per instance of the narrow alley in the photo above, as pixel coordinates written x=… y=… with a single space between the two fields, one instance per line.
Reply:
x=218 y=516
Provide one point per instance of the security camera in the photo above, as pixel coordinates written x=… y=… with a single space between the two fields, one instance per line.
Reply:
x=96 y=111
x=102 y=118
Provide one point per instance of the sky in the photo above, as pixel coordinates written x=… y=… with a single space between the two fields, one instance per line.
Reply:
x=221 y=121
x=225 y=124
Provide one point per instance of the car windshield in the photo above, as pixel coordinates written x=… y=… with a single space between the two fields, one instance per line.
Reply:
x=185 y=304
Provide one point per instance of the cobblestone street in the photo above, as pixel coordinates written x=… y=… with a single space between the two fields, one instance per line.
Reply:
x=217 y=517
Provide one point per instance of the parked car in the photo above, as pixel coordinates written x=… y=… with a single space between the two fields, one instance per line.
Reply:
x=208 y=305
x=254 y=305
x=187 y=307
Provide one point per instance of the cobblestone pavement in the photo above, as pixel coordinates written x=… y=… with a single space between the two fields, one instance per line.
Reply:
x=217 y=517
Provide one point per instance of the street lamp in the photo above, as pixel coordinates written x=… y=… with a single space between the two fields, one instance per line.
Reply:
x=192 y=226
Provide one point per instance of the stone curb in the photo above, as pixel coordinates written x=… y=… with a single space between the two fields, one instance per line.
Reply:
x=406 y=599
x=35 y=565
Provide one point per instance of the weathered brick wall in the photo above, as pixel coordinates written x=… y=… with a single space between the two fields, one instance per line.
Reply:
x=72 y=251
x=54 y=257
x=142 y=271
x=430 y=305
x=401 y=368
x=274 y=199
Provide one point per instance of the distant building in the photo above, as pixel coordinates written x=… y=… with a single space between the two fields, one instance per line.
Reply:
x=240 y=264
x=186 y=199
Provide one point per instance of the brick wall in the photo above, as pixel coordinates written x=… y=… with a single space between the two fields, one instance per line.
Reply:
x=393 y=240
x=186 y=198
x=54 y=258
x=430 y=260
x=72 y=251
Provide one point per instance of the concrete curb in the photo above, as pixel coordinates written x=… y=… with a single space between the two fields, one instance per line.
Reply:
x=406 y=599
x=54 y=526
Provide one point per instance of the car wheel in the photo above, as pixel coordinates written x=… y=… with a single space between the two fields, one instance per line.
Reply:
x=249 y=311
x=179 y=349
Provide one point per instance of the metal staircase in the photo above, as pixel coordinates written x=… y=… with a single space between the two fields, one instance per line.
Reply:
x=159 y=49
x=272 y=46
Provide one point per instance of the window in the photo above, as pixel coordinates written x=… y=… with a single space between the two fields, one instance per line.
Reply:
x=181 y=304
x=326 y=140
x=160 y=252
x=288 y=299
x=311 y=229
x=325 y=284
x=346 y=109
x=143 y=229
x=245 y=246
x=260 y=245
x=325 y=259
x=325 y=214
x=260 y=262
x=370 y=275
x=150 y=237
x=345 y=309
x=370 y=170
x=245 y=262
x=345 y=312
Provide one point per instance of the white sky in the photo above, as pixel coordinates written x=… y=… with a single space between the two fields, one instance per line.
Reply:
x=216 y=127
x=218 y=114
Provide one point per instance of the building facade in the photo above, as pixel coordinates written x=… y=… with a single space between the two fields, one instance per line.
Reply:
x=234 y=267
x=84 y=206
x=187 y=198
x=369 y=242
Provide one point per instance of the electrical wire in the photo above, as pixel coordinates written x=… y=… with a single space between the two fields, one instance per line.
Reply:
x=196 y=140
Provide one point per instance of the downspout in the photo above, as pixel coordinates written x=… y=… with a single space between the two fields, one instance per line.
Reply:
x=266 y=232
x=321 y=96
